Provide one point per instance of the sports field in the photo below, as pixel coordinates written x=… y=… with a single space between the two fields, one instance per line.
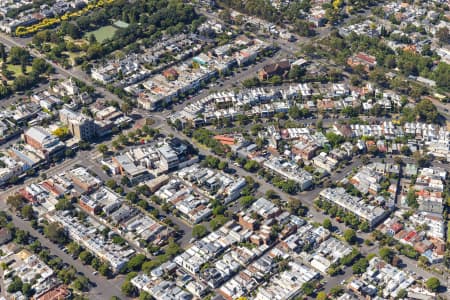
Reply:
x=103 y=33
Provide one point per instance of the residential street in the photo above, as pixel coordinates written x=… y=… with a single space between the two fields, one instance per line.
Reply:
x=365 y=64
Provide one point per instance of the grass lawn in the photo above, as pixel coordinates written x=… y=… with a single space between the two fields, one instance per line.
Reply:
x=17 y=69
x=72 y=56
x=103 y=33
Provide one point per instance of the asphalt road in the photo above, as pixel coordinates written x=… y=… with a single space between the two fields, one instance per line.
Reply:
x=75 y=73
x=307 y=199
x=107 y=288
x=104 y=288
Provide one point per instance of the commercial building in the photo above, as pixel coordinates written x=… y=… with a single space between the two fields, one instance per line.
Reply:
x=80 y=126
x=102 y=200
x=45 y=144
x=127 y=167
x=83 y=180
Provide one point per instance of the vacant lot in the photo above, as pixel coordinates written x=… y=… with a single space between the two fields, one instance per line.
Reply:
x=103 y=33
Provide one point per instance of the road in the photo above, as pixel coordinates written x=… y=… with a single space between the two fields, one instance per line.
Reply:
x=307 y=199
x=107 y=288
x=77 y=74
x=94 y=166
x=104 y=288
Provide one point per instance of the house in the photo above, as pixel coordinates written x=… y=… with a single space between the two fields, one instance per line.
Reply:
x=362 y=59
x=60 y=292
x=280 y=68
x=394 y=228
x=70 y=87
x=170 y=74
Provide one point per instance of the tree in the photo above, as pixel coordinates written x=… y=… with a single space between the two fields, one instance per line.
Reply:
x=296 y=207
x=378 y=76
x=55 y=233
x=126 y=108
x=125 y=181
x=222 y=165
x=15 y=202
x=336 y=291
x=442 y=76
x=350 y=236
x=21 y=237
x=271 y=194
x=40 y=66
x=433 y=284
x=443 y=35
x=83 y=145
x=360 y=266
x=102 y=148
x=423 y=261
x=386 y=254
x=251 y=166
x=251 y=82
x=321 y=296
x=27 y=289
x=411 y=198
x=143 y=295
x=63 y=204
x=364 y=226
x=18 y=54
x=61 y=132
x=218 y=221
x=27 y=212
x=104 y=269
x=122 y=139
x=129 y=289
x=135 y=263
x=69 y=152
x=132 y=197
x=3 y=54
x=426 y=111
x=246 y=201
x=423 y=161
x=81 y=283
x=405 y=150
x=327 y=224
x=307 y=288
x=143 y=189
x=85 y=257
x=111 y=183
x=23 y=66
x=67 y=275
x=199 y=231
x=74 y=249
x=335 y=139
x=15 y=285
x=402 y=294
